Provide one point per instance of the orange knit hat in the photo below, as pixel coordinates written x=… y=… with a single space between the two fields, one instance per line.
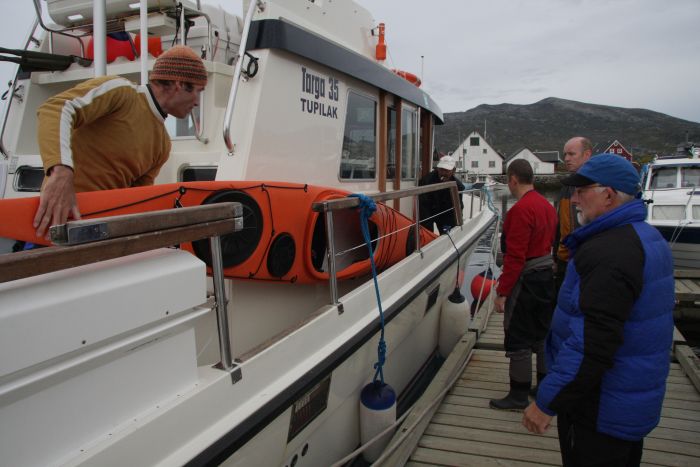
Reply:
x=180 y=63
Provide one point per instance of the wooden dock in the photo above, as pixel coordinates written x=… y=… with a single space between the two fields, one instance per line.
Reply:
x=687 y=285
x=453 y=425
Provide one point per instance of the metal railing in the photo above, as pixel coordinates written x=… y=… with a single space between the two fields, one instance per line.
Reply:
x=228 y=116
x=89 y=241
x=330 y=206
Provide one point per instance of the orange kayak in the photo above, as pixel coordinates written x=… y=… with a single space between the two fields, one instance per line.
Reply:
x=282 y=238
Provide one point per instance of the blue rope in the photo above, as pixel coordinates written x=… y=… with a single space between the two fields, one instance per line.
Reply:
x=367 y=208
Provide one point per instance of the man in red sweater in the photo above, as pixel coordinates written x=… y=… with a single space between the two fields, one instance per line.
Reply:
x=526 y=286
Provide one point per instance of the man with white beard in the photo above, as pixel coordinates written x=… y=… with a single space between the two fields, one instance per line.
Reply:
x=608 y=346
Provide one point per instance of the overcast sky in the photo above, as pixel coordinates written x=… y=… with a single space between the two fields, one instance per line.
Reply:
x=627 y=53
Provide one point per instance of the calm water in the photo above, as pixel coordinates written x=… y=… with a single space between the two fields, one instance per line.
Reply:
x=482 y=259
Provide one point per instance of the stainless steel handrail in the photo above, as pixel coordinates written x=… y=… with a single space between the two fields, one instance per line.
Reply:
x=221 y=303
x=37 y=8
x=92 y=240
x=237 y=73
x=11 y=94
x=330 y=206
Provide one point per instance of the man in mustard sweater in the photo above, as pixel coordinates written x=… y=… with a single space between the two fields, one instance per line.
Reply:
x=109 y=133
x=576 y=152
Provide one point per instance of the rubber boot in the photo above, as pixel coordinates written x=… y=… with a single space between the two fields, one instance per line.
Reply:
x=516 y=398
x=533 y=391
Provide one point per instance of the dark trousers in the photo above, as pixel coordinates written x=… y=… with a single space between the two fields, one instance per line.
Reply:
x=582 y=446
x=528 y=324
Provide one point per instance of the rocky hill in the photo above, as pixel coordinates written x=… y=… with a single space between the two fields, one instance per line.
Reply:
x=547 y=124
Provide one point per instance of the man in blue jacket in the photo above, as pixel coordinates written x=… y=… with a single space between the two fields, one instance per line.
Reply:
x=611 y=333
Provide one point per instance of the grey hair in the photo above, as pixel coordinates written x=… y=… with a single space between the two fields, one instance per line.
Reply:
x=621 y=197
x=624 y=197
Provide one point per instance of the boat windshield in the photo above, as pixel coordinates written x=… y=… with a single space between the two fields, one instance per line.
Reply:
x=690 y=176
x=664 y=177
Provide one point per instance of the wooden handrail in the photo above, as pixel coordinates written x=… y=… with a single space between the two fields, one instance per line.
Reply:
x=82 y=231
x=149 y=231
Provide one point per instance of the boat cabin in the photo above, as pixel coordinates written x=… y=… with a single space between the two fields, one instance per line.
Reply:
x=314 y=105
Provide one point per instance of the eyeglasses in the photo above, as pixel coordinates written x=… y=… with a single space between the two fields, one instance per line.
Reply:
x=579 y=190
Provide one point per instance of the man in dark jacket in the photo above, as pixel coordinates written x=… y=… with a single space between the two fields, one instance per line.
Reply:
x=436 y=207
x=611 y=334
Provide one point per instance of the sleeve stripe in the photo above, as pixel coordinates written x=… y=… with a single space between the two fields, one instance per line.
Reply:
x=69 y=110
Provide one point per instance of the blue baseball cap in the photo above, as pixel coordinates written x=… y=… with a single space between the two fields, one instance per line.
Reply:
x=607 y=170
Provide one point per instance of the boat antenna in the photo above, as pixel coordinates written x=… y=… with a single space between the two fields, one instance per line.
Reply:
x=421 y=69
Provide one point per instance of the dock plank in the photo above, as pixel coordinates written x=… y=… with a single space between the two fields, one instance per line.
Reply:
x=464 y=430
x=687 y=289
x=432 y=457
x=522 y=439
x=492 y=450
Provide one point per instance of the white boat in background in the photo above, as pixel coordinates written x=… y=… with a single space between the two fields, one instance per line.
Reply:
x=143 y=360
x=671 y=187
x=486 y=181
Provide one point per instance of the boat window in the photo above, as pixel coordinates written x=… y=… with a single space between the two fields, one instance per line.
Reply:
x=182 y=127
x=194 y=173
x=690 y=176
x=391 y=144
x=28 y=179
x=409 y=146
x=664 y=177
x=668 y=213
x=359 y=156
x=696 y=212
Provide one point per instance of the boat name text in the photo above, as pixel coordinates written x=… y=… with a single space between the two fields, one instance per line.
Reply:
x=317 y=87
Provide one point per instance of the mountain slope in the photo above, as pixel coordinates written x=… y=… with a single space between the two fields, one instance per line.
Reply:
x=547 y=124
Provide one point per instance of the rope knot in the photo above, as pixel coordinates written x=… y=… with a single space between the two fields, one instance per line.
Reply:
x=367 y=205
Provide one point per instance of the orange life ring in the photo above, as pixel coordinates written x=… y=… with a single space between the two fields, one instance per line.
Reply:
x=410 y=77
x=282 y=240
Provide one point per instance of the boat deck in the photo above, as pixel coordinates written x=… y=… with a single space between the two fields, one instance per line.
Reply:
x=463 y=429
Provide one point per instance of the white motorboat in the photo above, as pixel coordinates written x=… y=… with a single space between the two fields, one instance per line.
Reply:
x=671 y=187
x=143 y=359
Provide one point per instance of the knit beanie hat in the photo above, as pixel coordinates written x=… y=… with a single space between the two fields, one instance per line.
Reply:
x=180 y=63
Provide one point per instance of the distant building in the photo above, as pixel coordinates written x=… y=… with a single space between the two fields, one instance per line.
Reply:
x=476 y=156
x=542 y=162
x=614 y=147
x=549 y=156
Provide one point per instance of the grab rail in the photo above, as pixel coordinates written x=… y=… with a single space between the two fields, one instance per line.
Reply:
x=237 y=73
x=135 y=233
x=11 y=95
x=330 y=206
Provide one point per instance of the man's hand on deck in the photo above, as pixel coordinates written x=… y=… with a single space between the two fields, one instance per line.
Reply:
x=535 y=420
x=57 y=202
x=500 y=303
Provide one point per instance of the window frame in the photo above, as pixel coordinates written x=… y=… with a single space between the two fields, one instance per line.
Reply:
x=406 y=107
x=376 y=136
